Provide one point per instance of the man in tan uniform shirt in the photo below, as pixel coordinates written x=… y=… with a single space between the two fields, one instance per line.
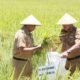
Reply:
x=70 y=38
x=24 y=48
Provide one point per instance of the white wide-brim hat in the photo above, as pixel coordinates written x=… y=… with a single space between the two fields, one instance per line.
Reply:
x=67 y=19
x=30 y=20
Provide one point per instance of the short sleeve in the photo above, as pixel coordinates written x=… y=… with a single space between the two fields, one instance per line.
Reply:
x=77 y=36
x=20 y=40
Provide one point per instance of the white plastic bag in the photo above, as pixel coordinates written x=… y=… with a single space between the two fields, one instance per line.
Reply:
x=57 y=63
x=53 y=58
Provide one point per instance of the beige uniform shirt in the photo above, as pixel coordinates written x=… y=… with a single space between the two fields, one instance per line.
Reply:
x=23 y=38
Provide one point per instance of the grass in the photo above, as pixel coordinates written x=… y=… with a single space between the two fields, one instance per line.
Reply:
x=47 y=11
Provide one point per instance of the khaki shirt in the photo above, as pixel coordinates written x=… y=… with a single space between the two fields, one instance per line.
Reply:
x=23 y=38
x=69 y=39
x=76 y=51
x=67 y=42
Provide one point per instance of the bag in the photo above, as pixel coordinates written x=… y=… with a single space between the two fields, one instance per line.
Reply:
x=54 y=65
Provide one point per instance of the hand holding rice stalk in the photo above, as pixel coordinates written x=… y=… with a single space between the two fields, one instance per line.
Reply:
x=45 y=45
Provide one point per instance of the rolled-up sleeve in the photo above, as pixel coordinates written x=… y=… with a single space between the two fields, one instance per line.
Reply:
x=77 y=41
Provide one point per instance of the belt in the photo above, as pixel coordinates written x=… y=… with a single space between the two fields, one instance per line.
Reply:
x=77 y=57
x=20 y=59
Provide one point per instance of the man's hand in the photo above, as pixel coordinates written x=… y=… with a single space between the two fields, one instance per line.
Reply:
x=64 y=54
x=38 y=49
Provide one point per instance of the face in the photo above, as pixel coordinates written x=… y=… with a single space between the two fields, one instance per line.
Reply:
x=66 y=27
x=30 y=27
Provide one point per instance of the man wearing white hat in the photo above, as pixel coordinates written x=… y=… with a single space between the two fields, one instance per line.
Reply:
x=23 y=48
x=70 y=38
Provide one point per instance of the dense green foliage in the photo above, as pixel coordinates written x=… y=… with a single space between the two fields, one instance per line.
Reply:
x=48 y=12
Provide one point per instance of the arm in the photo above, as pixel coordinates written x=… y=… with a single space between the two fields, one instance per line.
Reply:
x=66 y=53
x=76 y=46
x=24 y=50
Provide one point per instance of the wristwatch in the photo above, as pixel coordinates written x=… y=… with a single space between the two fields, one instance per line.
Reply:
x=68 y=52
